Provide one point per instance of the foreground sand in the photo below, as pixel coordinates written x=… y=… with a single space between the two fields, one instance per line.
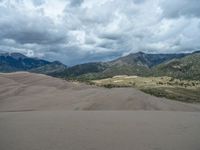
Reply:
x=37 y=113
x=105 y=130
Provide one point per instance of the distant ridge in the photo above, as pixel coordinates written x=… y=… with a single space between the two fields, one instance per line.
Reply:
x=11 y=62
x=148 y=60
x=140 y=63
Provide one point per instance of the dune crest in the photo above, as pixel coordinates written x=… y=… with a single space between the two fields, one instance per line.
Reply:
x=28 y=91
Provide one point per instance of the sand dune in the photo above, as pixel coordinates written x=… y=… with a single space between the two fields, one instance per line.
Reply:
x=35 y=115
x=27 y=91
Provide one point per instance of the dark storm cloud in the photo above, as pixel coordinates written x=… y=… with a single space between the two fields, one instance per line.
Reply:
x=38 y=2
x=177 y=8
x=112 y=36
x=78 y=31
x=76 y=2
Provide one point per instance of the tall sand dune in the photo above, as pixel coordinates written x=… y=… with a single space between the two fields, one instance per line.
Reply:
x=22 y=91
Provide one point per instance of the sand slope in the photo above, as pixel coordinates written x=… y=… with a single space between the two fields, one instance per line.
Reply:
x=24 y=91
x=35 y=115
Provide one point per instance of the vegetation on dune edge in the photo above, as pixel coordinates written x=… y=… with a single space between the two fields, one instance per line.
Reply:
x=168 y=87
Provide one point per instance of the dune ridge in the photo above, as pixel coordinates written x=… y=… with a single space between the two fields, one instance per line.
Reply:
x=22 y=91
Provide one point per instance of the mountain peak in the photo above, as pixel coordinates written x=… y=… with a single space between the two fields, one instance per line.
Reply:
x=57 y=62
x=140 y=52
x=13 y=55
x=18 y=55
x=136 y=54
x=10 y=62
x=144 y=59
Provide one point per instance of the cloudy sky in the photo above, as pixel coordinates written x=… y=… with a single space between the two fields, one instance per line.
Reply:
x=78 y=31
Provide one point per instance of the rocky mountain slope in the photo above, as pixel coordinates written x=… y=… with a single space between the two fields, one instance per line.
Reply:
x=184 y=68
x=140 y=64
x=11 y=62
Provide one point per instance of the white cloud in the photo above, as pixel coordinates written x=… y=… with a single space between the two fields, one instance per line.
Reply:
x=77 y=31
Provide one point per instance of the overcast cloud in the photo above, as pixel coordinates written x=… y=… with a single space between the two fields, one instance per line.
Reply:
x=78 y=31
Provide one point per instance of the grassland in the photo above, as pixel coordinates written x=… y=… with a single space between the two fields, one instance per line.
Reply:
x=175 y=89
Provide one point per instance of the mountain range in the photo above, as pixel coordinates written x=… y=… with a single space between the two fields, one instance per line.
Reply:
x=140 y=64
x=182 y=65
x=11 y=62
